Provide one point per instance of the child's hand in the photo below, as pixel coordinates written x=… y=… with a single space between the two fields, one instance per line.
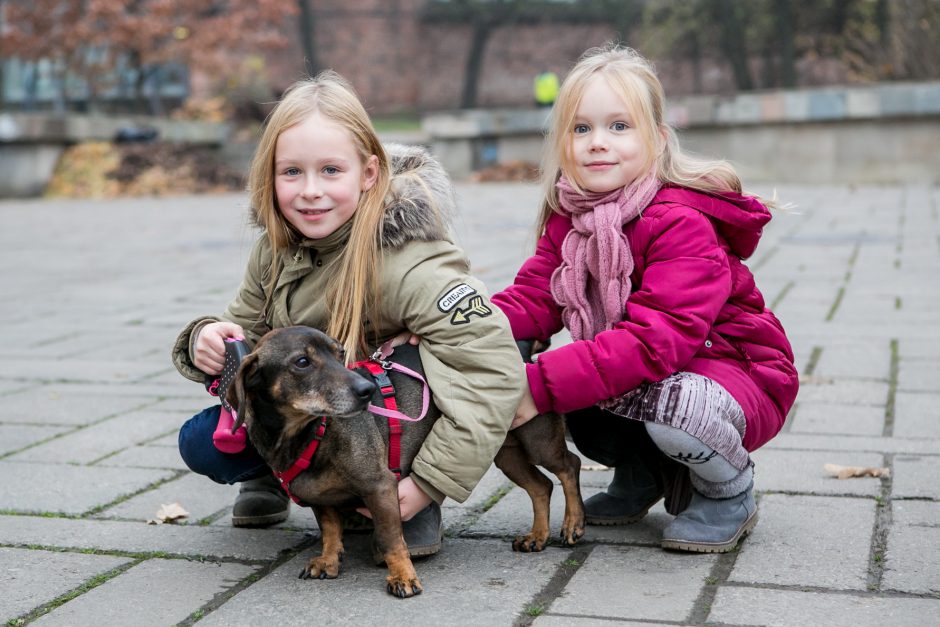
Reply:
x=526 y=410
x=405 y=337
x=209 y=347
x=411 y=499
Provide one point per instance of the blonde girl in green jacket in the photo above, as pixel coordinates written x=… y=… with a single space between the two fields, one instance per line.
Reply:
x=356 y=242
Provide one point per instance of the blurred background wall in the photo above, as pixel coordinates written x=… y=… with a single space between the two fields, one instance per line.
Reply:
x=412 y=61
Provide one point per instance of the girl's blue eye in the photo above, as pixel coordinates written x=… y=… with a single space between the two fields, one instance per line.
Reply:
x=330 y=170
x=581 y=128
x=619 y=126
x=292 y=171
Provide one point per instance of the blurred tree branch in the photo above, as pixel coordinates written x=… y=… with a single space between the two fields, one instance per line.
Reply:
x=88 y=39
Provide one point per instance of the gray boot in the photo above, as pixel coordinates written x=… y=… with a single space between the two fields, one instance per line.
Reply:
x=423 y=534
x=260 y=503
x=712 y=525
x=631 y=494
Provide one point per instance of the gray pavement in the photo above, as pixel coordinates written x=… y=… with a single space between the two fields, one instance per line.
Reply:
x=95 y=292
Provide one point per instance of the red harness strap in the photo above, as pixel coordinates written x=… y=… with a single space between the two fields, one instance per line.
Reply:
x=303 y=462
x=388 y=399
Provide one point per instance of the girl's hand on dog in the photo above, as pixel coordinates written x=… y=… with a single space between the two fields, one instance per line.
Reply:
x=209 y=347
x=411 y=499
x=526 y=410
x=405 y=337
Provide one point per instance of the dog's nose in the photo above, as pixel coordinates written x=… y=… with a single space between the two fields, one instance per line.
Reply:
x=363 y=389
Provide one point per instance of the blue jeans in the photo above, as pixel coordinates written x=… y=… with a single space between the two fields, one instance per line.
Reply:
x=202 y=457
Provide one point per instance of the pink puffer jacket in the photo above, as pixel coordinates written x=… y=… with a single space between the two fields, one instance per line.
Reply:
x=694 y=308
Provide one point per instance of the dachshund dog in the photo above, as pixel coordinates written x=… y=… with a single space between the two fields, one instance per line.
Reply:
x=290 y=385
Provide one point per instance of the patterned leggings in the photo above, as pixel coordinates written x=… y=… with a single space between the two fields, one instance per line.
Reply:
x=690 y=418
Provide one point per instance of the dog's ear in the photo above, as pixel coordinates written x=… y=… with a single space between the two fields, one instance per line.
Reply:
x=236 y=395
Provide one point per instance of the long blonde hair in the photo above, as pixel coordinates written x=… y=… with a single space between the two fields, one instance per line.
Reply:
x=352 y=292
x=629 y=74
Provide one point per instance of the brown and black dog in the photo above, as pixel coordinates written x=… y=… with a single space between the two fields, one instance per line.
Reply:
x=295 y=376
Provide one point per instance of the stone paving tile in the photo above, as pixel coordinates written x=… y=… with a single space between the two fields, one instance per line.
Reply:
x=835 y=418
x=918 y=375
x=755 y=606
x=69 y=489
x=13 y=387
x=14 y=437
x=198 y=495
x=846 y=391
x=917 y=414
x=800 y=541
x=30 y=578
x=635 y=583
x=909 y=565
x=76 y=370
x=170 y=440
x=149 y=456
x=58 y=406
x=478 y=582
x=802 y=471
x=548 y=620
x=100 y=439
x=227 y=543
x=916 y=477
x=190 y=585
x=491 y=483
x=512 y=516
x=912 y=348
x=879 y=445
x=858 y=359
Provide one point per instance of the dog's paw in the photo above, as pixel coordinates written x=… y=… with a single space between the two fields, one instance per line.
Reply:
x=532 y=543
x=321 y=568
x=570 y=537
x=403 y=588
x=572 y=527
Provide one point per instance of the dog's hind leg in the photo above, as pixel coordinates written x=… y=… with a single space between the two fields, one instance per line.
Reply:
x=568 y=471
x=514 y=464
x=326 y=565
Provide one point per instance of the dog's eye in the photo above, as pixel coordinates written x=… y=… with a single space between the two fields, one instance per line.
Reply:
x=302 y=362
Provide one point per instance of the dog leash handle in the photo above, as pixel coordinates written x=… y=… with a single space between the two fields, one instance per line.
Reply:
x=224 y=438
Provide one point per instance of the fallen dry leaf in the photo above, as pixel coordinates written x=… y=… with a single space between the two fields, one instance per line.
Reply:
x=168 y=513
x=845 y=472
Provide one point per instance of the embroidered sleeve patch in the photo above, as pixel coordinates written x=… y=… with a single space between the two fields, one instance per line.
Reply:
x=453 y=296
x=476 y=307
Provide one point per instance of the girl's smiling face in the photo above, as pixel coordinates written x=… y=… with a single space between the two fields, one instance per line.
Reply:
x=606 y=150
x=319 y=176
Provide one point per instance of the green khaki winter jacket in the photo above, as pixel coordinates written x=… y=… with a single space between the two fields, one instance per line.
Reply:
x=469 y=357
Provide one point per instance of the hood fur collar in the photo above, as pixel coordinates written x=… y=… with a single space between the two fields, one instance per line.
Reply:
x=420 y=204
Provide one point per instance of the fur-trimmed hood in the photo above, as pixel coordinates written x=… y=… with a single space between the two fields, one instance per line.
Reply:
x=421 y=203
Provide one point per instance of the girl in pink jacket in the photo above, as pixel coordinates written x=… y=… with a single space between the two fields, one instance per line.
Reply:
x=677 y=369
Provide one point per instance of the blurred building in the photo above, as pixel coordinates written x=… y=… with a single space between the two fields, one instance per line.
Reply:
x=399 y=61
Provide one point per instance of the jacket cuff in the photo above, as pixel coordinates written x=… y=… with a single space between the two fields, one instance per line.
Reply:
x=428 y=489
x=538 y=389
x=182 y=353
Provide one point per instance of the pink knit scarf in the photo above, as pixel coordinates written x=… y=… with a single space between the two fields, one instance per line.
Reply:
x=593 y=281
